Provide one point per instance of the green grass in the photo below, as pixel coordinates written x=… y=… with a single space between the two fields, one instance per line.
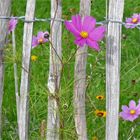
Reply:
x=130 y=70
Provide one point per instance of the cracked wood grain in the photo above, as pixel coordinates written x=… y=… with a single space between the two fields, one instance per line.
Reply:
x=113 y=61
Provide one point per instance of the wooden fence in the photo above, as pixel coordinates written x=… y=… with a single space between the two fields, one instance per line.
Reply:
x=5 y=7
x=113 y=52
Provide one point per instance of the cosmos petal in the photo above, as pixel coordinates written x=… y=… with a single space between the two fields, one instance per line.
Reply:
x=76 y=20
x=132 y=104
x=71 y=27
x=98 y=33
x=132 y=117
x=34 y=41
x=12 y=24
x=93 y=44
x=40 y=35
x=124 y=115
x=125 y=109
x=89 y=24
x=80 y=42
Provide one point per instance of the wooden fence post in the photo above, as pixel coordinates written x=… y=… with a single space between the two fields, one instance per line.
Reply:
x=53 y=120
x=15 y=74
x=5 y=8
x=113 y=61
x=24 y=87
x=80 y=81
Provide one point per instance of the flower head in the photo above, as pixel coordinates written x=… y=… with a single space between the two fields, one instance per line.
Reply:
x=100 y=97
x=100 y=113
x=85 y=32
x=41 y=38
x=133 y=21
x=12 y=24
x=130 y=112
x=33 y=57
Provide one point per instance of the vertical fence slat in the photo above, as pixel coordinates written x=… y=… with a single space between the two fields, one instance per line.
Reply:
x=113 y=60
x=15 y=73
x=24 y=87
x=5 y=8
x=53 y=119
x=80 y=81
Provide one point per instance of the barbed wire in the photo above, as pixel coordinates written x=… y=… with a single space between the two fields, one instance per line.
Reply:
x=22 y=18
x=40 y=19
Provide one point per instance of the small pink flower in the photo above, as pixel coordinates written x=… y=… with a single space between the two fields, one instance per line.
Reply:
x=12 y=24
x=130 y=112
x=133 y=21
x=41 y=38
x=85 y=31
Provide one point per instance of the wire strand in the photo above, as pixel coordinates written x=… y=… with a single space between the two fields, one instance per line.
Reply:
x=106 y=21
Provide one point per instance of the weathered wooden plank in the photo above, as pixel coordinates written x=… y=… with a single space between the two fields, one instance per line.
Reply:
x=5 y=8
x=80 y=81
x=24 y=87
x=113 y=61
x=15 y=73
x=54 y=72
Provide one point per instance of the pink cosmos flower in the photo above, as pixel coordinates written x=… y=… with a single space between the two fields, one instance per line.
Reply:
x=12 y=24
x=133 y=21
x=41 y=38
x=130 y=113
x=85 y=32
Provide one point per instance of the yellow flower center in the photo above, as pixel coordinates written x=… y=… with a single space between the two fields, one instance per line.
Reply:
x=100 y=97
x=132 y=112
x=84 y=34
x=135 y=20
x=40 y=40
x=100 y=113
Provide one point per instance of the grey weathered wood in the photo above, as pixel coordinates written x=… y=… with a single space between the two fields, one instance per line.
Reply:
x=80 y=81
x=24 y=87
x=54 y=72
x=113 y=61
x=5 y=8
x=15 y=74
